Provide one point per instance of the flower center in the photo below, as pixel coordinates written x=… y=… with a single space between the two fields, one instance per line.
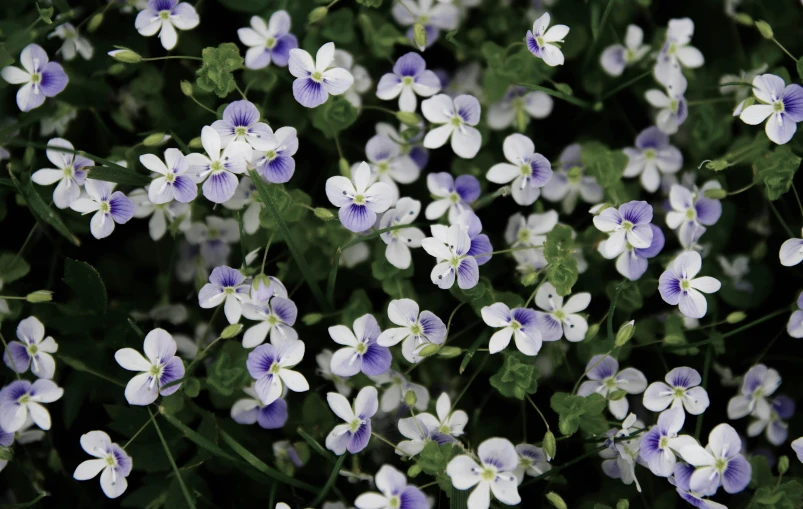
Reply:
x=359 y=199
x=24 y=399
x=408 y=81
x=609 y=383
x=394 y=502
x=454 y=197
x=155 y=370
x=423 y=19
x=216 y=166
x=663 y=443
x=515 y=325
x=170 y=177
x=361 y=348
x=720 y=464
x=104 y=207
x=627 y=225
x=673 y=48
x=355 y=425
x=649 y=154
x=630 y=55
x=68 y=171
x=525 y=462
x=164 y=15
x=540 y=41
x=525 y=170
x=270 y=42
x=524 y=235
x=274 y=368
x=691 y=213
x=229 y=290
x=383 y=167
x=685 y=285
x=575 y=174
x=445 y=429
x=678 y=392
x=673 y=105
x=456 y=121
x=317 y=76
x=36 y=77
x=559 y=314
x=416 y=330
x=778 y=106
x=273 y=320
x=454 y=262
x=488 y=474
x=110 y=461
x=241 y=131
x=32 y=350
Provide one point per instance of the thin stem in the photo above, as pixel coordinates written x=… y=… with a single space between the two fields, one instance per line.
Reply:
x=780 y=220
x=329 y=482
x=532 y=296
x=730 y=333
x=415 y=420
x=333 y=2
x=379 y=108
x=602 y=23
x=784 y=49
x=265 y=255
x=560 y=95
x=706 y=368
x=710 y=101
x=27 y=239
x=626 y=84
x=471 y=380
x=539 y=412
x=102 y=11
x=12 y=297
x=173 y=57
x=199 y=103
x=237 y=87
x=427 y=485
x=745 y=188
x=380 y=437
x=797 y=197
x=13 y=364
x=511 y=250
x=145 y=425
x=190 y=501
x=449 y=323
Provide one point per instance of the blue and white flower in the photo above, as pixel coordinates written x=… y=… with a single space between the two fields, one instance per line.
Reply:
x=781 y=107
x=629 y=224
x=632 y=262
x=39 y=78
x=394 y=492
x=450 y=248
x=355 y=434
x=679 y=286
x=218 y=169
x=456 y=119
x=111 y=462
x=758 y=384
x=164 y=17
x=604 y=378
x=268 y=43
x=32 y=350
x=672 y=105
x=176 y=181
x=434 y=16
x=241 y=123
x=110 y=207
x=359 y=199
x=21 y=399
x=520 y=324
x=225 y=285
x=617 y=57
x=389 y=164
x=453 y=194
x=518 y=105
x=410 y=78
x=651 y=157
x=159 y=367
x=276 y=163
x=528 y=170
x=692 y=211
x=399 y=241
x=570 y=181
x=251 y=410
x=415 y=329
x=775 y=428
x=316 y=79
x=558 y=319
x=70 y=172
x=719 y=464
x=540 y=41
x=676 y=51
x=361 y=352
x=682 y=390
x=495 y=473
x=271 y=366
x=660 y=444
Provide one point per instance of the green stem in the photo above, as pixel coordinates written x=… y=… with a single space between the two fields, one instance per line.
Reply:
x=602 y=23
x=784 y=49
x=202 y=105
x=329 y=482
x=449 y=323
x=379 y=108
x=745 y=188
x=780 y=219
x=26 y=504
x=471 y=380
x=145 y=425
x=383 y=439
x=539 y=412
x=265 y=255
x=717 y=337
x=797 y=197
x=315 y=445
x=189 y=499
x=706 y=368
x=40 y=146
x=612 y=308
x=560 y=95
x=27 y=239
x=237 y=87
x=173 y=57
x=12 y=297
x=710 y=100
x=626 y=84
x=565 y=465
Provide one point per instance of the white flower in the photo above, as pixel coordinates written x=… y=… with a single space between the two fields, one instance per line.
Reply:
x=21 y=398
x=70 y=172
x=161 y=214
x=678 y=286
x=398 y=388
x=781 y=107
x=528 y=170
x=416 y=330
x=616 y=58
x=219 y=170
x=457 y=118
x=164 y=16
x=672 y=105
x=160 y=368
x=450 y=248
x=73 y=43
x=449 y=422
x=494 y=474
x=400 y=241
x=540 y=41
x=558 y=319
x=110 y=207
x=676 y=50
x=791 y=252
x=362 y=80
x=315 y=79
x=112 y=463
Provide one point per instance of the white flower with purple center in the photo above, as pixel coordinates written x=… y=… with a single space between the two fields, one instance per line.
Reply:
x=362 y=80
x=540 y=41
x=276 y=316
x=395 y=492
x=527 y=170
x=39 y=78
x=32 y=350
x=73 y=43
x=409 y=78
x=617 y=57
x=400 y=240
x=361 y=352
x=520 y=324
x=176 y=182
x=359 y=200
x=791 y=252
x=450 y=248
x=110 y=207
x=213 y=237
x=250 y=410
x=692 y=211
x=389 y=165
x=676 y=51
x=794 y=327
x=21 y=399
x=218 y=170
x=225 y=285
x=70 y=172
x=416 y=329
x=775 y=428
x=276 y=163
x=268 y=43
x=629 y=224
x=659 y=445
x=434 y=18
x=759 y=382
x=720 y=463
x=781 y=107
x=672 y=105
x=419 y=431
x=159 y=367
x=456 y=119
x=560 y=319
x=355 y=434
x=533 y=461
x=398 y=387
x=680 y=480
x=246 y=197
x=160 y=215
x=450 y=421
x=495 y=473
x=682 y=390
x=570 y=181
x=604 y=378
x=407 y=144
x=164 y=17
x=241 y=123
x=652 y=156
x=517 y=107
x=454 y=195
x=271 y=366
x=632 y=262
x=468 y=221
x=111 y=462
x=530 y=232
x=679 y=287
x=315 y=78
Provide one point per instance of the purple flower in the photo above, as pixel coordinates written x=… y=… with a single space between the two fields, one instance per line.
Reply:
x=680 y=479
x=276 y=164
x=420 y=430
x=217 y=169
x=781 y=107
x=109 y=207
x=681 y=390
x=570 y=181
x=794 y=327
x=417 y=153
x=495 y=473
x=164 y=16
x=528 y=170
x=400 y=241
x=415 y=329
x=540 y=40
x=39 y=78
x=783 y=408
x=315 y=80
x=276 y=315
x=21 y=398
x=32 y=349
x=678 y=286
x=759 y=383
x=468 y=221
x=355 y=434
x=161 y=367
x=673 y=106
x=213 y=237
x=533 y=461
x=250 y=410
x=616 y=57
x=70 y=173
x=630 y=224
x=632 y=262
x=176 y=182
x=241 y=122
x=659 y=444
x=456 y=118
x=561 y=319
x=605 y=378
x=409 y=78
x=719 y=464
x=389 y=164
x=652 y=156
x=361 y=351
x=225 y=284
x=515 y=108
x=435 y=16
x=268 y=43
x=455 y=195
x=797 y=446
x=521 y=324
x=395 y=492
x=359 y=201
x=450 y=248
x=112 y=463
x=691 y=210
x=270 y=365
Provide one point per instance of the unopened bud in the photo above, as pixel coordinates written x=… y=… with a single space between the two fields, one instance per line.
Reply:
x=231 y=331
x=6 y=454
x=623 y=504
x=420 y=36
x=765 y=29
x=126 y=56
x=743 y=19
x=529 y=279
x=428 y=350
x=522 y=119
x=116 y=68
x=39 y=296
x=325 y=214
x=410 y=398
x=196 y=142
x=311 y=318
x=592 y=331
x=550 y=445
x=317 y=14
x=556 y=501
x=156 y=139
x=186 y=88
x=717 y=165
x=414 y=470
x=449 y=352
x=783 y=464
x=565 y=88
x=716 y=193
x=625 y=332
x=95 y=22
x=736 y=317
x=617 y=395
x=344 y=167
x=408 y=118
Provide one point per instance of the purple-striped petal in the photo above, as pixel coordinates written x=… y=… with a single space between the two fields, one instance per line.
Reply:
x=480 y=245
x=601 y=367
x=220 y=186
x=273 y=416
x=413 y=498
x=285 y=309
x=357 y=218
x=656 y=246
x=54 y=79
x=669 y=287
x=16 y=357
x=309 y=93
x=433 y=327
x=281 y=52
x=468 y=187
x=793 y=102
x=376 y=360
x=173 y=370
x=260 y=360
x=637 y=212
x=683 y=378
x=736 y=476
x=359 y=439
x=708 y=210
x=226 y=277
x=653 y=138
x=121 y=208
x=468 y=273
x=184 y=189
x=411 y=64
x=241 y=114
x=278 y=170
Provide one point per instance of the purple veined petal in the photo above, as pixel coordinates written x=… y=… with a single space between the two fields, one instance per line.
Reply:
x=793 y=102
x=159 y=346
x=185 y=189
x=777 y=432
x=784 y=406
x=54 y=79
x=468 y=109
x=381 y=148
x=708 y=210
x=692 y=304
x=359 y=440
x=608 y=220
x=241 y=113
x=220 y=186
x=273 y=415
x=285 y=309
x=780 y=128
x=420 y=156
x=173 y=370
x=410 y=64
x=601 y=367
x=376 y=360
x=245 y=411
x=468 y=187
x=336 y=81
x=527 y=318
x=480 y=245
x=281 y=51
x=120 y=207
x=226 y=277
x=533 y=46
x=768 y=88
x=309 y=93
x=653 y=138
x=551 y=329
x=260 y=361
x=541 y=170
x=29 y=98
x=16 y=357
x=656 y=245
x=631 y=265
x=683 y=378
x=498 y=452
x=141 y=390
x=101 y=225
x=612 y=60
x=366 y=328
x=356 y=218
x=433 y=327
x=277 y=170
x=442 y=184
x=389 y=87
x=637 y=212
x=736 y=476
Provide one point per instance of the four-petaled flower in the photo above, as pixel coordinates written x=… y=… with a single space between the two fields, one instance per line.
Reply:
x=692 y=211
x=219 y=170
x=560 y=319
x=315 y=79
x=32 y=349
x=110 y=207
x=719 y=464
x=776 y=430
x=271 y=366
x=389 y=164
x=400 y=240
x=540 y=40
x=629 y=224
x=269 y=43
x=659 y=445
x=225 y=284
x=781 y=107
x=528 y=170
x=495 y=473
x=359 y=200
x=395 y=492
x=450 y=248
x=161 y=367
x=176 y=182
x=570 y=181
x=454 y=195
x=361 y=350
x=416 y=329
x=355 y=434
x=617 y=57
x=457 y=118
x=276 y=164
x=21 y=398
x=251 y=410
x=652 y=156
x=70 y=172
x=517 y=106
x=679 y=287
x=409 y=78
x=759 y=382
x=39 y=78
x=164 y=16
x=632 y=262
x=276 y=315
x=673 y=107
x=605 y=378
x=112 y=463
x=519 y=323
x=676 y=50
x=533 y=461
x=681 y=390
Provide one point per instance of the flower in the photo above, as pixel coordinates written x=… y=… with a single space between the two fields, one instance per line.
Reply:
x=246 y=196
x=361 y=351
x=417 y=330
x=605 y=378
x=692 y=211
x=533 y=461
x=673 y=106
x=39 y=78
x=276 y=164
x=225 y=284
x=530 y=233
x=680 y=479
x=73 y=43
x=791 y=252
x=659 y=444
x=456 y=118
x=164 y=16
x=400 y=240
x=736 y=269
x=794 y=327
x=450 y=248
x=324 y=360
x=759 y=382
x=270 y=365
x=797 y=446
x=720 y=463
x=468 y=221
x=616 y=58
x=214 y=237
x=449 y=422
x=161 y=367
x=434 y=18
x=250 y=410
x=160 y=214
x=519 y=323
x=21 y=398
x=516 y=108
x=781 y=107
x=528 y=170
x=389 y=164
x=632 y=262
x=455 y=195
x=32 y=349
x=783 y=408
x=420 y=430
x=362 y=80
x=570 y=181
x=395 y=492
x=630 y=224
x=678 y=285
x=355 y=434
x=539 y=41
x=177 y=183
x=417 y=153
x=269 y=43
x=112 y=463
x=740 y=92
x=494 y=473
x=682 y=391
x=241 y=123
x=359 y=200
x=315 y=79
x=70 y=172
x=109 y=207
x=621 y=455
x=652 y=156
x=399 y=387
x=276 y=315
x=559 y=319
x=218 y=169
x=409 y=78
x=676 y=50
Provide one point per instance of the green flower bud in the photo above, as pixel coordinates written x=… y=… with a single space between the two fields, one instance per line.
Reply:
x=6 y=454
x=414 y=470
x=408 y=118
x=783 y=464
x=95 y=22
x=39 y=296
x=716 y=193
x=617 y=395
x=625 y=332
x=556 y=501
x=565 y=88
x=325 y=214
x=529 y=279
x=311 y=318
x=428 y=350
x=623 y=504
x=449 y=352
x=196 y=143
x=717 y=165
x=765 y=29
x=28 y=155
x=550 y=445
x=344 y=167
x=410 y=399
x=156 y=139
x=116 y=69
x=126 y=56
x=231 y=331
x=736 y=317
x=317 y=14
x=592 y=331
x=522 y=119
x=743 y=19
x=186 y=88
x=420 y=35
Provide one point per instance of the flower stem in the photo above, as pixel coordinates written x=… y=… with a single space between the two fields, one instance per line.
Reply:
x=626 y=84
x=329 y=482
x=601 y=27
x=379 y=108
x=265 y=255
x=710 y=100
x=706 y=368
x=539 y=412
x=784 y=49
x=780 y=219
x=380 y=437
x=237 y=87
x=173 y=57
x=140 y=430
x=797 y=197
x=187 y=497
x=745 y=188
x=199 y=103
x=12 y=297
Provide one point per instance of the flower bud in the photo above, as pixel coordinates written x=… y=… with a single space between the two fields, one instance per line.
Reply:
x=28 y=155
x=565 y=88
x=116 y=69
x=550 y=445
x=410 y=398
x=186 y=88
x=231 y=331
x=39 y=296
x=408 y=118
x=743 y=19
x=325 y=214
x=95 y=22
x=625 y=333
x=617 y=395
x=529 y=279
x=317 y=14
x=6 y=454
x=156 y=139
x=521 y=120
x=195 y=142
x=126 y=56
x=765 y=29
x=592 y=332
x=344 y=167
x=623 y=504
x=420 y=35
x=716 y=193
x=717 y=165
x=556 y=501
x=783 y=464
x=449 y=352
x=311 y=318
x=428 y=350
x=414 y=470
x=736 y=317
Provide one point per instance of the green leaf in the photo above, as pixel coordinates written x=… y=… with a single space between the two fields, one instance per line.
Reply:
x=123 y=176
x=334 y=116
x=605 y=165
x=87 y=284
x=339 y=26
x=515 y=379
x=433 y=458
x=192 y=387
x=370 y=3
x=571 y=409
x=228 y=373
x=800 y=67
x=316 y=415
x=786 y=496
x=43 y=213
x=216 y=73
x=562 y=269
x=12 y=268
x=776 y=171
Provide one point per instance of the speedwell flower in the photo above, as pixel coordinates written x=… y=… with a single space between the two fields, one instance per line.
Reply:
x=268 y=43
x=276 y=315
x=781 y=107
x=456 y=118
x=678 y=286
x=355 y=434
x=672 y=105
x=719 y=464
x=276 y=164
x=164 y=16
x=759 y=382
x=389 y=164
x=528 y=170
x=250 y=410
x=409 y=78
x=605 y=378
x=794 y=327
x=540 y=40
x=271 y=366
x=791 y=252
x=70 y=172
x=112 y=463
x=362 y=80
x=451 y=422
x=39 y=78
x=519 y=323
x=400 y=241
x=682 y=390
x=560 y=319
x=176 y=182
x=630 y=224
x=533 y=461
x=692 y=211
x=360 y=351
x=161 y=367
x=494 y=474
x=450 y=248
x=395 y=492
x=570 y=181
x=32 y=349
x=161 y=214
x=21 y=398
x=434 y=16
x=415 y=329
x=359 y=200
x=652 y=156
x=315 y=79
x=659 y=445
x=454 y=195
x=73 y=43
x=219 y=170
x=617 y=57
x=632 y=262
x=517 y=106
x=246 y=197
x=225 y=284
x=241 y=122
x=110 y=207
x=775 y=428
x=676 y=51
x=397 y=389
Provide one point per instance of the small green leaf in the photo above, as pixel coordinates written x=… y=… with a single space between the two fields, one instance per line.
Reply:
x=216 y=73
x=192 y=387
x=776 y=171
x=87 y=284
x=12 y=268
x=515 y=379
x=334 y=116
